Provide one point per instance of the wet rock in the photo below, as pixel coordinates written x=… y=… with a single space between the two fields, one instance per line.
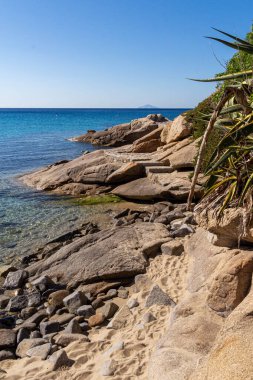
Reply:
x=109 y=310
x=40 y=352
x=27 y=344
x=16 y=279
x=74 y=300
x=86 y=311
x=7 y=338
x=158 y=297
x=73 y=327
x=17 y=303
x=96 y=320
x=49 y=327
x=6 y=355
x=60 y=359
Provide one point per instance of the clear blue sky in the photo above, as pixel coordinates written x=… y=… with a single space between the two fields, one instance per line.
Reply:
x=112 y=53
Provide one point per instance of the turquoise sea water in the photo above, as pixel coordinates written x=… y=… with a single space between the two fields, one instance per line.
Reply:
x=33 y=138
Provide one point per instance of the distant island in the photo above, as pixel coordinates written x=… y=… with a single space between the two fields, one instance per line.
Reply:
x=147 y=106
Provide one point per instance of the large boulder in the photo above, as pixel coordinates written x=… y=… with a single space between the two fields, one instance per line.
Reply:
x=178 y=130
x=148 y=143
x=123 y=134
x=105 y=255
x=184 y=157
x=126 y=172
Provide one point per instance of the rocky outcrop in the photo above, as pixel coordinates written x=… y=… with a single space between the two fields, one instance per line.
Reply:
x=177 y=130
x=124 y=133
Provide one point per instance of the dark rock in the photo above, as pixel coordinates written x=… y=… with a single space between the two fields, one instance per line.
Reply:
x=34 y=299
x=28 y=312
x=3 y=301
x=7 y=338
x=49 y=327
x=86 y=311
x=16 y=279
x=17 y=303
x=23 y=333
x=85 y=326
x=7 y=322
x=60 y=359
x=6 y=355
x=158 y=297
x=184 y=230
x=98 y=302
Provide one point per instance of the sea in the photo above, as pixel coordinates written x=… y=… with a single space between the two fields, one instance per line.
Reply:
x=34 y=138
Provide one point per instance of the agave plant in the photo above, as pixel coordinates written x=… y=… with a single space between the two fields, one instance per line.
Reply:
x=230 y=169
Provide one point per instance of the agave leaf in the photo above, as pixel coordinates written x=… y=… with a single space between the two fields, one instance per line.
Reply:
x=233 y=37
x=246 y=187
x=229 y=196
x=231 y=109
x=240 y=74
x=219 y=184
x=238 y=46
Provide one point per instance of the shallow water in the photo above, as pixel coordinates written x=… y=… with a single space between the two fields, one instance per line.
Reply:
x=30 y=139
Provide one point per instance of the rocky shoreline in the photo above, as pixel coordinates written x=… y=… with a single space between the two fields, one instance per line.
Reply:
x=150 y=297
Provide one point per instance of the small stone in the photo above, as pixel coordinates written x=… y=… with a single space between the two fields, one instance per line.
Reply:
x=16 y=279
x=148 y=317
x=3 y=301
x=7 y=338
x=26 y=325
x=17 y=303
x=73 y=328
x=123 y=293
x=85 y=326
x=56 y=298
x=96 y=320
x=26 y=344
x=108 y=368
x=60 y=359
x=86 y=311
x=22 y=334
x=42 y=283
x=97 y=303
x=62 y=311
x=41 y=351
x=64 y=339
x=132 y=302
x=27 y=312
x=142 y=281
x=184 y=230
x=173 y=248
x=62 y=319
x=51 y=309
x=34 y=299
x=74 y=300
x=6 y=355
x=49 y=327
x=109 y=309
x=158 y=297
x=7 y=322
x=37 y=317
x=35 y=335
x=112 y=293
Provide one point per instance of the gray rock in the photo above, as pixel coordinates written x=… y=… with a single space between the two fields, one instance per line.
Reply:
x=148 y=317
x=112 y=293
x=86 y=311
x=17 y=303
x=132 y=302
x=60 y=359
x=73 y=327
x=184 y=230
x=36 y=334
x=26 y=325
x=158 y=297
x=34 y=299
x=74 y=300
x=7 y=338
x=40 y=352
x=173 y=248
x=98 y=302
x=108 y=254
x=85 y=326
x=27 y=312
x=42 y=283
x=22 y=334
x=37 y=317
x=123 y=293
x=62 y=319
x=27 y=344
x=64 y=339
x=49 y=327
x=109 y=309
x=16 y=279
x=6 y=354
x=3 y=301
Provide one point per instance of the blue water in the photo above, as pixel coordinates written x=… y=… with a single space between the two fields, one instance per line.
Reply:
x=32 y=138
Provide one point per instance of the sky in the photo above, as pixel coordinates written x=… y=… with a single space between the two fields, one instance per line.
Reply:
x=113 y=53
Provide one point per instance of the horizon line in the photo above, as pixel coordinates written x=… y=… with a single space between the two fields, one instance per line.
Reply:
x=95 y=108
